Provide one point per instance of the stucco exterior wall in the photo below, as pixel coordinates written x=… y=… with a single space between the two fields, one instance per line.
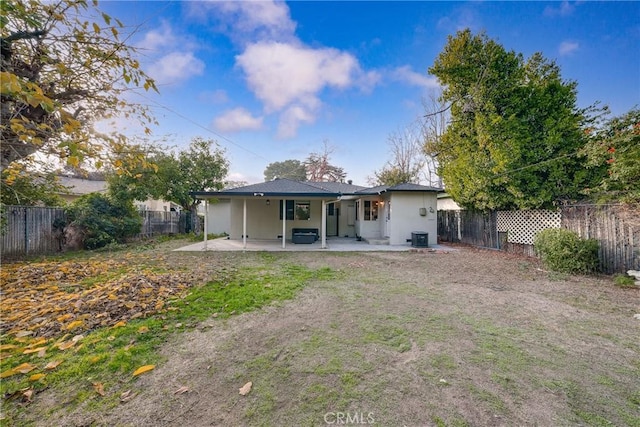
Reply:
x=406 y=218
x=219 y=217
x=263 y=221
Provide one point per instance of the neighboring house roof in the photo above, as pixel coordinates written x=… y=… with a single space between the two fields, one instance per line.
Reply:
x=79 y=186
x=288 y=187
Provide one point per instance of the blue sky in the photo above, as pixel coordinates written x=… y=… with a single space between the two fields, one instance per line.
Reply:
x=272 y=81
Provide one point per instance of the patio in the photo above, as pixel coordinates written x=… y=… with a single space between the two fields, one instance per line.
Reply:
x=336 y=244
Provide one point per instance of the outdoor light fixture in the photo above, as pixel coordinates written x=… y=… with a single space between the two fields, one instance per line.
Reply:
x=268 y=202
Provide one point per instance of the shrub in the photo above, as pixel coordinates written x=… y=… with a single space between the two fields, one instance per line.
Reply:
x=564 y=251
x=102 y=221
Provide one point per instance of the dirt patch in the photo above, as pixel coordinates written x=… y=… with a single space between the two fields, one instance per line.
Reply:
x=469 y=337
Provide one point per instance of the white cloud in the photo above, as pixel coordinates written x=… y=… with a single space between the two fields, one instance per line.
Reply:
x=407 y=75
x=291 y=119
x=236 y=120
x=160 y=38
x=176 y=67
x=248 y=20
x=218 y=96
x=280 y=74
x=564 y=9
x=567 y=48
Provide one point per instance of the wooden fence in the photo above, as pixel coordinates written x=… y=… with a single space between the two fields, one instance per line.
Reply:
x=615 y=227
x=30 y=230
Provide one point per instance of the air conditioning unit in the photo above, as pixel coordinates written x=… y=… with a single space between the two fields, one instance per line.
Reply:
x=419 y=239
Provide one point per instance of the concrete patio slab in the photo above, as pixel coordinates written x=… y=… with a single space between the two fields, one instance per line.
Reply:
x=338 y=244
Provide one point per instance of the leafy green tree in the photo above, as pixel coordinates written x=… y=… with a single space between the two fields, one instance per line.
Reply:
x=290 y=169
x=202 y=167
x=616 y=149
x=515 y=130
x=65 y=65
x=102 y=221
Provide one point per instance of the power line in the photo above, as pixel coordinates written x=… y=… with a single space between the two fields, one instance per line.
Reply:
x=190 y=120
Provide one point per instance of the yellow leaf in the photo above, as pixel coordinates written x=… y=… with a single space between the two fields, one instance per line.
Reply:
x=120 y=324
x=95 y=359
x=74 y=324
x=114 y=31
x=34 y=350
x=245 y=389
x=64 y=317
x=52 y=365
x=96 y=28
x=7 y=373
x=143 y=369
x=36 y=377
x=143 y=329
x=7 y=346
x=24 y=368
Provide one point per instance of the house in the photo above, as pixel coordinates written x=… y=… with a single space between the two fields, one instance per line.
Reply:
x=446 y=203
x=292 y=211
x=77 y=187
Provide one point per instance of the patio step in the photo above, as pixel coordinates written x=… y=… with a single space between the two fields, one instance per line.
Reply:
x=377 y=241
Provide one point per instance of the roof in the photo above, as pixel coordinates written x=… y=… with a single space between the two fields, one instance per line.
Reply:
x=288 y=187
x=79 y=186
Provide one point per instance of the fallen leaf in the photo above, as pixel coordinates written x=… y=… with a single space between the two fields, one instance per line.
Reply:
x=99 y=388
x=74 y=324
x=36 y=377
x=22 y=334
x=245 y=389
x=182 y=390
x=7 y=373
x=126 y=396
x=143 y=369
x=34 y=350
x=120 y=324
x=24 y=368
x=27 y=394
x=66 y=345
x=52 y=365
x=143 y=329
x=7 y=346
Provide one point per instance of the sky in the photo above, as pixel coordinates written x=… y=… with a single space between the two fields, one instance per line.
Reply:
x=271 y=81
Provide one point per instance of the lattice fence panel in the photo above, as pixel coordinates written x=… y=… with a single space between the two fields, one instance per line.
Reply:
x=522 y=226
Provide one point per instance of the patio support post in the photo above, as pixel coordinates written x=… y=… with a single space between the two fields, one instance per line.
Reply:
x=244 y=224
x=284 y=222
x=206 y=216
x=324 y=224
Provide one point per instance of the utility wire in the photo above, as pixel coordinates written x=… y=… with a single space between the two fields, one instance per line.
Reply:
x=190 y=120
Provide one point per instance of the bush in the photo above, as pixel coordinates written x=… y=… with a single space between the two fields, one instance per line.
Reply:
x=564 y=251
x=102 y=221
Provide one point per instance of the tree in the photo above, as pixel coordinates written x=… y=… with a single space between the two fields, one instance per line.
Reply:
x=202 y=167
x=515 y=130
x=290 y=169
x=408 y=158
x=30 y=188
x=319 y=168
x=100 y=220
x=64 y=67
x=616 y=149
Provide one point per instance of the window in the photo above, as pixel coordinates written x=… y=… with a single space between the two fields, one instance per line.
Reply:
x=330 y=209
x=289 y=210
x=370 y=210
x=357 y=209
x=296 y=210
x=303 y=211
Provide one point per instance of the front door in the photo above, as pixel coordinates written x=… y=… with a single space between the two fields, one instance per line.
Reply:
x=332 y=219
